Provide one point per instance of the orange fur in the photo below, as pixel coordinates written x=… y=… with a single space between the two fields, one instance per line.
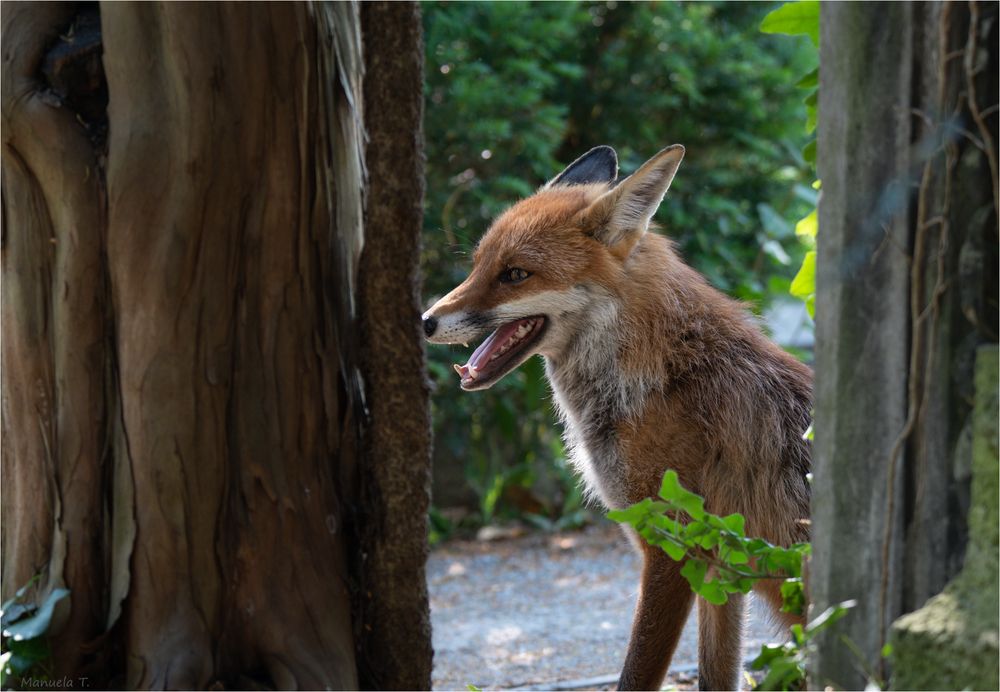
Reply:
x=652 y=369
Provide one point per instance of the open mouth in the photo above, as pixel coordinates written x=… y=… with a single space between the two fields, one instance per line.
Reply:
x=503 y=350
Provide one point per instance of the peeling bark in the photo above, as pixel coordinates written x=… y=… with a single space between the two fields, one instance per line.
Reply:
x=219 y=243
x=55 y=389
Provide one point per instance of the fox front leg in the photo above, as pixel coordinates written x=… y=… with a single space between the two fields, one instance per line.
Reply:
x=665 y=599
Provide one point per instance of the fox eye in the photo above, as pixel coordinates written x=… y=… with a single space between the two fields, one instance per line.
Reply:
x=513 y=275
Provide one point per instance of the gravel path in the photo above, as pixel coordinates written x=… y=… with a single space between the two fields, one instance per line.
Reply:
x=544 y=608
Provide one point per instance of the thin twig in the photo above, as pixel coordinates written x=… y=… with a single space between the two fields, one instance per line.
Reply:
x=976 y=142
x=447 y=209
x=913 y=401
x=709 y=558
x=970 y=78
x=917 y=316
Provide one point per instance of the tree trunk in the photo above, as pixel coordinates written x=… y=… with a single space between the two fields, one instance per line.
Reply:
x=395 y=633
x=906 y=291
x=58 y=391
x=184 y=398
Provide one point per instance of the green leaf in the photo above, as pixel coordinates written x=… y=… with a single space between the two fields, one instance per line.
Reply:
x=768 y=652
x=793 y=596
x=812 y=111
x=694 y=571
x=785 y=560
x=663 y=523
x=670 y=486
x=772 y=248
x=735 y=523
x=830 y=616
x=808 y=225
x=810 y=81
x=804 y=283
x=539 y=521
x=707 y=540
x=774 y=223
x=737 y=557
x=37 y=624
x=794 y=19
x=671 y=490
x=676 y=552
x=712 y=592
x=27 y=653
x=798 y=634
x=492 y=496
x=809 y=152
x=807 y=194
x=632 y=514
x=785 y=673
x=887 y=650
x=756 y=545
x=5 y=669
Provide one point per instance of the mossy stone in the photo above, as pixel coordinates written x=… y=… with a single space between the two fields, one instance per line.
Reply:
x=953 y=642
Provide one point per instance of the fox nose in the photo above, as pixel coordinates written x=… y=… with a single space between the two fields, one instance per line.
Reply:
x=430 y=324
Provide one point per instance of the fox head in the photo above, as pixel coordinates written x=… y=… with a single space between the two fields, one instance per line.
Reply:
x=546 y=266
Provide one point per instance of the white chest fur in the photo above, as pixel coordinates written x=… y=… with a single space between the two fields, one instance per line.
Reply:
x=593 y=397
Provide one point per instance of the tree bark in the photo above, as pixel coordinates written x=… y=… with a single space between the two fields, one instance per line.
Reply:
x=57 y=393
x=221 y=255
x=395 y=631
x=862 y=308
x=184 y=412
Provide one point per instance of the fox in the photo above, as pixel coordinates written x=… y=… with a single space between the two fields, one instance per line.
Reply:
x=650 y=369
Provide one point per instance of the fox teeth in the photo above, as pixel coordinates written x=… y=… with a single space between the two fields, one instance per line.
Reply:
x=514 y=338
x=466 y=344
x=458 y=368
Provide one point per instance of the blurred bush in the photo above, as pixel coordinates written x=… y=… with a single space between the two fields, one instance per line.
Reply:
x=516 y=91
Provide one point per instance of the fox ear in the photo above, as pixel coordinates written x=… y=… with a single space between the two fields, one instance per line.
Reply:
x=599 y=165
x=626 y=210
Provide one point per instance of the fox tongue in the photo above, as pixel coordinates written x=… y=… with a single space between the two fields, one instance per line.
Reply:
x=494 y=341
x=481 y=356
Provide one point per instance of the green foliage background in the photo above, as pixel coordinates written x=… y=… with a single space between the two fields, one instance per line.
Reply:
x=514 y=92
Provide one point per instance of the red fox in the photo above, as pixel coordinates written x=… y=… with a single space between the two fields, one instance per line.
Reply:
x=651 y=369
